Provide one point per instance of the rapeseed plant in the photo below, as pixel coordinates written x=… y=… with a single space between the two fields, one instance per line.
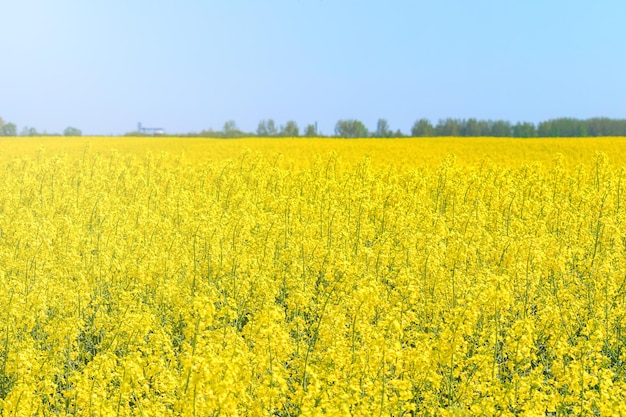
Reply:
x=243 y=282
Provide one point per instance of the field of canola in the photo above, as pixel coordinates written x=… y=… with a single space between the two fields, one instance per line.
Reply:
x=299 y=277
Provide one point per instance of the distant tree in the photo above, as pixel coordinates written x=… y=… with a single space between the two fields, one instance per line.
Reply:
x=309 y=131
x=230 y=130
x=350 y=128
x=271 y=128
x=28 y=131
x=382 y=129
x=580 y=128
x=548 y=128
x=422 y=128
x=564 y=127
x=267 y=128
x=261 y=129
x=72 y=131
x=210 y=133
x=577 y=128
x=484 y=127
x=230 y=126
x=620 y=127
x=602 y=126
x=448 y=127
x=500 y=128
x=471 y=127
x=597 y=127
x=8 y=129
x=290 y=129
x=524 y=130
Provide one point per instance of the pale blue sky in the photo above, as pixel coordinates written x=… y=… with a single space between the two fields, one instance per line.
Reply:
x=104 y=65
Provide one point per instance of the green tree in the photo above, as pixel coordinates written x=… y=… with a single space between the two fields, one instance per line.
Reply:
x=210 y=133
x=524 y=130
x=28 y=131
x=290 y=129
x=266 y=128
x=501 y=128
x=231 y=130
x=448 y=127
x=382 y=129
x=261 y=129
x=310 y=131
x=546 y=129
x=8 y=129
x=603 y=126
x=350 y=128
x=596 y=126
x=567 y=127
x=422 y=128
x=484 y=127
x=72 y=131
x=471 y=127
x=271 y=128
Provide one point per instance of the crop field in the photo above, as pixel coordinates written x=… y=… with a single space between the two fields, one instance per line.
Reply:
x=297 y=277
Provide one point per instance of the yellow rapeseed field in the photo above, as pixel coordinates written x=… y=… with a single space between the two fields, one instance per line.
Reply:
x=293 y=277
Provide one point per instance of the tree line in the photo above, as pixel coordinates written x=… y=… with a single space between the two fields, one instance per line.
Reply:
x=561 y=127
x=10 y=129
x=353 y=128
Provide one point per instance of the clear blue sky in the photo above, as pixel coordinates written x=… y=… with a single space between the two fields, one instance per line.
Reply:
x=187 y=65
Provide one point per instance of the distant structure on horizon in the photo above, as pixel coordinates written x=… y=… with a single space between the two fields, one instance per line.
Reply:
x=154 y=131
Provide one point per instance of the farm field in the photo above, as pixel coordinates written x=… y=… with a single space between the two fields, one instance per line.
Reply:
x=304 y=277
x=300 y=153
